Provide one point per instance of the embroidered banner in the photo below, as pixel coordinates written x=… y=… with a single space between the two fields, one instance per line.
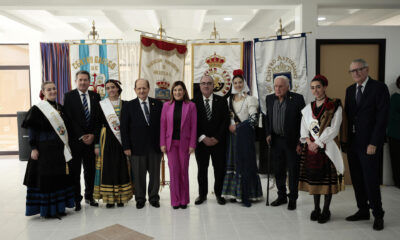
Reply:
x=99 y=59
x=280 y=57
x=161 y=63
x=218 y=60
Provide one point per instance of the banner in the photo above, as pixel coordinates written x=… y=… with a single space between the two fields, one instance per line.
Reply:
x=161 y=63
x=217 y=60
x=280 y=57
x=99 y=59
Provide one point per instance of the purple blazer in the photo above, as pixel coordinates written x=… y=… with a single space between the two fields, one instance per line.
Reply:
x=188 y=133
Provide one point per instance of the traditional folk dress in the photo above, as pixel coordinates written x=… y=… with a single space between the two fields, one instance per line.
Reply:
x=50 y=189
x=113 y=182
x=241 y=180
x=321 y=172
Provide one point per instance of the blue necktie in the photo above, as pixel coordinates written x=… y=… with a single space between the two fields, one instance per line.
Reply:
x=146 y=111
x=359 y=95
x=85 y=108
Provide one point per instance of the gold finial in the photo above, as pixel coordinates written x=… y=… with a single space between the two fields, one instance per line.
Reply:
x=281 y=30
x=161 y=30
x=93 y=33
x=214 y=33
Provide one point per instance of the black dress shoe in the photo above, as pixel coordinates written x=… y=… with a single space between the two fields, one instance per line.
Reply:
x=279 y=201
x=120 y=204
x=324 y=217
x=221 y=200
x=358 y=216
x=183 y=206
x=246 y=204
x=92 y=202
x=155 y=204
x=315 y=214
x=78 y=206
x=61 y=214
x=139 y=205
x=291 y=205
x=109 y=205
x=199 y=200
x=175 y=207
x=378 y=224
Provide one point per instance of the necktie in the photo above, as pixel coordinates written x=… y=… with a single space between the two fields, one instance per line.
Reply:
x=208 y=110
x=85 y=108
x=146 y=112
x=359 y=95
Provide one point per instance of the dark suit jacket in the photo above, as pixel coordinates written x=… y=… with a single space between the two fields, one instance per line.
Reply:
x=218 y=125
x=371 y=117
x=73 y=109
x=134 y=128
x=294 y=104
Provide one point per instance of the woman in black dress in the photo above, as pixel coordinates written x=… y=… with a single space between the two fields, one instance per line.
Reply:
x=112 y=183
x=47 y=176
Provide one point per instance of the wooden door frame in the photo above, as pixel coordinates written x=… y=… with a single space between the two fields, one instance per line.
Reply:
x=380 y=41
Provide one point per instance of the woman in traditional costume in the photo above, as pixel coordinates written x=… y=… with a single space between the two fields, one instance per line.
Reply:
x=47 y=177
x=113 y=183
x=321 y=164
x=241 y=180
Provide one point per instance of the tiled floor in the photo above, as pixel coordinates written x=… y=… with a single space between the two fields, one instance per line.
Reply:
x=207 y=221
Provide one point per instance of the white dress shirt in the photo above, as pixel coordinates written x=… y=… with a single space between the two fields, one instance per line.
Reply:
x=87 y=98
x=363 y=86
x=148 y=107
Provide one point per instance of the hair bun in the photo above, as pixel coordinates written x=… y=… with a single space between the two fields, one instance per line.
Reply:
x=238 y=72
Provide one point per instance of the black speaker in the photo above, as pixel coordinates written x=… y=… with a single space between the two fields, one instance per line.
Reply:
x=23 y=138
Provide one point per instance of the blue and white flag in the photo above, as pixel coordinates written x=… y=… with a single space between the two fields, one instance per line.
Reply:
x=99 y=59
x=280 y=57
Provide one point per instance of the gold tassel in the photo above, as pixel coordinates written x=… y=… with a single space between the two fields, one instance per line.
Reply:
x=66 y=169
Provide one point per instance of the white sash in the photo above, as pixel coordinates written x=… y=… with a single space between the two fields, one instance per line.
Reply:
x=331 y=149
x=111 y=117
x=58 y=125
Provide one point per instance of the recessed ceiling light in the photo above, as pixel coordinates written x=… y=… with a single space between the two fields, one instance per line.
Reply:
x=227 y=18
x=321 y=18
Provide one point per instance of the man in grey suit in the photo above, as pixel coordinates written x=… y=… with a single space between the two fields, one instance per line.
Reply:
x=140 y=133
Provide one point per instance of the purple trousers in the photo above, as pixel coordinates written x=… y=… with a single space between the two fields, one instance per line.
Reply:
x=178 y=163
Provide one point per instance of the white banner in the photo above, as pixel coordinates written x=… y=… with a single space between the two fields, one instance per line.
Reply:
x=280 y=57
x=99 y=59
x=218 y=60
x=161 y=63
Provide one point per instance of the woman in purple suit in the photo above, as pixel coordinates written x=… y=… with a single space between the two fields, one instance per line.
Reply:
x=178 y=141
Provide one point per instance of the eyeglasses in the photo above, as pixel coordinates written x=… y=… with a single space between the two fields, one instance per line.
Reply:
x=357 y=70
x=206 y=83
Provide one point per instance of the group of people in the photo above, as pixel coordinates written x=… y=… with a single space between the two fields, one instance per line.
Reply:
x=119 y=142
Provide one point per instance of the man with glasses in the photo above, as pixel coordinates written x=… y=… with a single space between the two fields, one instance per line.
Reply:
x=367 y=109
x=212 y=126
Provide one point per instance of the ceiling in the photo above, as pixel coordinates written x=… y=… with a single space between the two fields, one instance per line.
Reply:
x=184 y=21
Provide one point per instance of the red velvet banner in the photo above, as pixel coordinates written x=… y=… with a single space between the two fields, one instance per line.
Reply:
x=163 y=45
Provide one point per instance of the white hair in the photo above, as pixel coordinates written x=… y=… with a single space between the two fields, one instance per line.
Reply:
x=287 y=80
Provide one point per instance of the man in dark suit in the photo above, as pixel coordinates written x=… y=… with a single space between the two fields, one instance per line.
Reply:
x=140 y=133
x=282 y=127
x=81 y=107
x=212 y=126
x=367 y=110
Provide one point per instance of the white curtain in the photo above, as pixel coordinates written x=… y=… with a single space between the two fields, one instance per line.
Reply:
x=129 y=53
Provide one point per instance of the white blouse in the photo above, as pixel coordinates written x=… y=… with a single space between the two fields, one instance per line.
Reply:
x=245 y=107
